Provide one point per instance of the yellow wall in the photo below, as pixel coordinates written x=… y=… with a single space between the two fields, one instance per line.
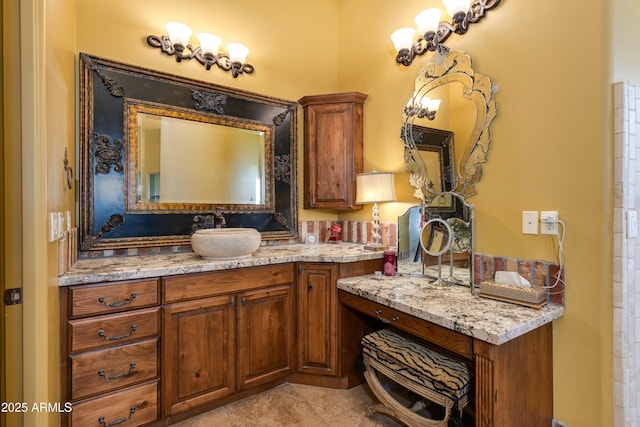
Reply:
x=550 y=151
x=550 y=140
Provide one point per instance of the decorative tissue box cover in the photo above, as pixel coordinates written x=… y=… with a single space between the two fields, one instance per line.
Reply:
x=535 y=297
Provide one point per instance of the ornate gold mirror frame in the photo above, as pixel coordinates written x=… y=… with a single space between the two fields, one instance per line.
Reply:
x=450 y=68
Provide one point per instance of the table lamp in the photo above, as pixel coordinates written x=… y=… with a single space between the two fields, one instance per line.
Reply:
x=375 y=187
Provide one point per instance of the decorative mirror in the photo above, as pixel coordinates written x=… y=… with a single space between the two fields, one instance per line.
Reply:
x=454 y=104
x=161 y=154
x=436 y=240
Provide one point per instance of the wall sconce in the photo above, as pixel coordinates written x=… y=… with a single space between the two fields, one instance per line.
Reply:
x=177 y=44
x=375 y=187
x=425 y=107
x=434 y=33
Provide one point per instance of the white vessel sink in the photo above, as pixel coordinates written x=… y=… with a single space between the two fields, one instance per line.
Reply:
x=225 y=243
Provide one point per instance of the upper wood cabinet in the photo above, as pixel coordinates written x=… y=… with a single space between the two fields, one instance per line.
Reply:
x=333 y=138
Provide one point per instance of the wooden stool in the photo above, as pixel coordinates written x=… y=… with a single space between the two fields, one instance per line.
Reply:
x=437 y=377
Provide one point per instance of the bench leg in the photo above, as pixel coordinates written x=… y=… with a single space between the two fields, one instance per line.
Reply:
x=392 y=407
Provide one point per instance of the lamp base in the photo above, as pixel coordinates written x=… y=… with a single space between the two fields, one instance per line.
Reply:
x=374 y=247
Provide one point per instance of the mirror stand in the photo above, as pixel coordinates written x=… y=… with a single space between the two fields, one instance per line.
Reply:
x=435 y=241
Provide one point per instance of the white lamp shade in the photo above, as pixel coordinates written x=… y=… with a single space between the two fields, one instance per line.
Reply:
x=178 y=33
x=375 y=187
x=457 y=6
x=428 y=20
x=238 y=52
x=403 y=38
x=209 y=43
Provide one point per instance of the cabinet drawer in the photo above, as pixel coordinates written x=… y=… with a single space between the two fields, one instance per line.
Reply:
x=110 y=329
x=105 y=370
x=108 y=298
x=134 y=406
x=201 y=285
x=443 y=337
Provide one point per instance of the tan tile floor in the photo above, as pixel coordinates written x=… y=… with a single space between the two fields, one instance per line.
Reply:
x=296 y=405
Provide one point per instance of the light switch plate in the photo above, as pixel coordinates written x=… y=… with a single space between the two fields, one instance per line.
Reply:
x=529 y=222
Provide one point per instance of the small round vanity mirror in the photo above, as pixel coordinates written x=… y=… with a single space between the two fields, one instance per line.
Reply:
x=436 y=237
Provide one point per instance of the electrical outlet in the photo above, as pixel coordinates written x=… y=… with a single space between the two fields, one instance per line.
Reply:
x=529 y=222
x=549 y=222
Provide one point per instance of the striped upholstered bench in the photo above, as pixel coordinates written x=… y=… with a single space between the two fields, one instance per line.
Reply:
x=439 y=378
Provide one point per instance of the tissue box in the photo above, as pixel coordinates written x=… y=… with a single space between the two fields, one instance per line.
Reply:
x=535 y=297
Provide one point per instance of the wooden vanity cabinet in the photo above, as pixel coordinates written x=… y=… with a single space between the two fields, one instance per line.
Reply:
x=225 y=332
x=333 y=146
x=513 y=381
x=110 y=353
x=328 y=334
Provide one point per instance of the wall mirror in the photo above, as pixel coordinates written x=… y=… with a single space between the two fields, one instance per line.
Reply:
x=160 y=154
x=464 y=110
x=436 y=240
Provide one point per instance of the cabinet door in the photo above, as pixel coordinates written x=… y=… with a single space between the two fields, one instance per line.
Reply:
x=198 y=352
x=265 y=335
x=317 y=336
x=332 y=149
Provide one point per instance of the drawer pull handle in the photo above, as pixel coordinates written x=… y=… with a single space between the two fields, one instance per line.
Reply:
x=131 y=372
x=102 y=300
x=132 y=410
x=103 y=334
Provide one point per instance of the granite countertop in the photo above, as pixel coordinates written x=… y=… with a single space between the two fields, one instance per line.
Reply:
x=453 y=307
x=106 y=269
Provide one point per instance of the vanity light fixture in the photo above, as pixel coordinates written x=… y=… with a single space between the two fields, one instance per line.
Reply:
x=177 y=44
x=375 y=187
x=425 y=107
x=434 y=33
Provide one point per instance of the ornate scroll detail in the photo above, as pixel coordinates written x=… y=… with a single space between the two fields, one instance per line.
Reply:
x=112 y=86
x=108 y=154
x=283 y=169
x=281 y=219
x=115 y=220
x=209 y=101
x=280 y=118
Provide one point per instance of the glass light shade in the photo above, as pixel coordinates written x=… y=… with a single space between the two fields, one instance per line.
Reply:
x=209 y=43
x=428 y=20
x=238 y=52
x=178 y=33
x=457 y=6
x=403 y=38
x=375 y=187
